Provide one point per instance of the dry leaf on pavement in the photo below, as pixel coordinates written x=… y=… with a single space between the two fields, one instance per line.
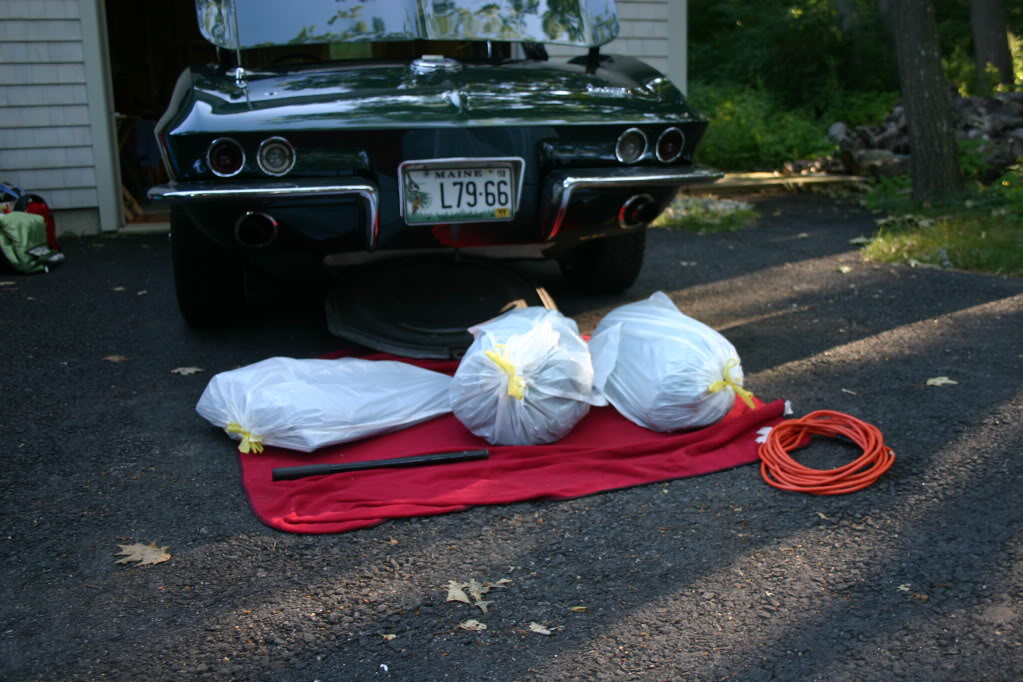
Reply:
x=143 y=554
x=456 y=593
x=116 y=358
x=476 y=590
x=536 y=627
x=473 y=624
x=941 y=381
x=185 y=371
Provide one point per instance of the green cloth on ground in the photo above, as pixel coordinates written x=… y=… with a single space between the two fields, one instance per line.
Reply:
x=23 y=242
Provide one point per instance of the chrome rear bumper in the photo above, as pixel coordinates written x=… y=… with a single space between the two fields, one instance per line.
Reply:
x=560 y=185
x=205 y=191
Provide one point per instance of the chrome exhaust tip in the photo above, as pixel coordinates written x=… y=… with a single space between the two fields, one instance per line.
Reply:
x=255 y=230
x=638 y=210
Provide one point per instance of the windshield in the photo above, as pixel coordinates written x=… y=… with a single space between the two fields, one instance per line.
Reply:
x=242 y=24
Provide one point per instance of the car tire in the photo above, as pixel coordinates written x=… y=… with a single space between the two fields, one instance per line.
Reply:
x=606 y=266
x=207 y=277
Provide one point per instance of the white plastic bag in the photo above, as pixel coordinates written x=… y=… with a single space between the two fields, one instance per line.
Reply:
x=307 y=404
x=664 y=370
x=526 y=379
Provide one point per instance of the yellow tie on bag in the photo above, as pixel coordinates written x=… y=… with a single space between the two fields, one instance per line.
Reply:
x=516 y=383
x=726 y=380
x=250 y=442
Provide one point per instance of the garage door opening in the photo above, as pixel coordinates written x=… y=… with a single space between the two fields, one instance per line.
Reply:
x=150 y=43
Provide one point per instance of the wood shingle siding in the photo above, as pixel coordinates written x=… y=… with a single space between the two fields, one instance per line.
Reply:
x=46 y=143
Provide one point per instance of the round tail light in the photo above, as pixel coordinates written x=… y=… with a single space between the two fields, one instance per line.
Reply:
x=276 y=156
x=670 y=145
x=631 y=146
x=225 y=157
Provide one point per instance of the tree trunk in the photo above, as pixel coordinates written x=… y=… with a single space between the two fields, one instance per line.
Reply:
x=991 y=42
x=934 y=158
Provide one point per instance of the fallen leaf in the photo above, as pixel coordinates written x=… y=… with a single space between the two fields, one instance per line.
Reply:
x=941 y=381
x=476 y=590
x=578 y=609
x=536 y=627
x=456 y=593
x=389 y=636
x=919 y=596
x=844 y=269
x=143 y=554
x=142 y=292
x=392 y=541
x=846 y=390
x=119 y=289
x=860 y=240
x=116 y=358
x=185 y=371
x=824 y=516
x=803 y=235
x=473 y=625
x=904 y=587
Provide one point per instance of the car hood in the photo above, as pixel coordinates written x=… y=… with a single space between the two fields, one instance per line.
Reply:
x=396 y=96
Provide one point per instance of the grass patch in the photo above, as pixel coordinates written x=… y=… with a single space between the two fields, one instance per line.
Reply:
x=707 y=214
x=982 y=232
x=992 y=243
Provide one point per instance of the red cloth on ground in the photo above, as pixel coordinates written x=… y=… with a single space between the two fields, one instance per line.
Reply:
x=605 y=451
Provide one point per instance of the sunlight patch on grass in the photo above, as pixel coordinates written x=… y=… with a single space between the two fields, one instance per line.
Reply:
x=991 y=243
x=707 y=214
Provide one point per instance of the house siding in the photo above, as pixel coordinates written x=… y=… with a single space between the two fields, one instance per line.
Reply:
x=46 y=141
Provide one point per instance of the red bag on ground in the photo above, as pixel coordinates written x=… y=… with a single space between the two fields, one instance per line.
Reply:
x=14 y=198
x=33 y=203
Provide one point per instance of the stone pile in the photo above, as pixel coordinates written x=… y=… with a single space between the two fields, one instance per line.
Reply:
x=996 y=123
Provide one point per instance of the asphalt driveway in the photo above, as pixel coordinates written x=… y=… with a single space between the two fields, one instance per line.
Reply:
x=918 y=577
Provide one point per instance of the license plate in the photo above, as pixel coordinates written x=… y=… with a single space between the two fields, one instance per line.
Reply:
x=463 y=192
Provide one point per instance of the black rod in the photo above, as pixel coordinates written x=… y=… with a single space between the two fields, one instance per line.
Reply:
x=291 y=473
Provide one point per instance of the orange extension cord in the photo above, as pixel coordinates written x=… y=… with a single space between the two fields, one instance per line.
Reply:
x=781 y=471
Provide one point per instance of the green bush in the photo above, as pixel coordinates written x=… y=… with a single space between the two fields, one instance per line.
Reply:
x=797 y=50
x=856 y=107
x=749 y=130
x=1008 y=190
